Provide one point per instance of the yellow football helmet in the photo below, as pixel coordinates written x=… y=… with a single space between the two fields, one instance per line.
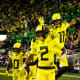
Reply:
x=56 y=16
x=17 y=45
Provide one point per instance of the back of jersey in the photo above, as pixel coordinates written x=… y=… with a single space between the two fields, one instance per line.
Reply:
x=46 y=52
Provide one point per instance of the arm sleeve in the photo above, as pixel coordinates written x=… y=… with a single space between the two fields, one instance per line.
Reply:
x=57 y=51
x=33 y=48
x=67 y=25
x=57 y=43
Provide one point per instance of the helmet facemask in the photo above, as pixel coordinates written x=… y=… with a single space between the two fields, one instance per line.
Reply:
x=16 y=50
x=58 y=23
x=57 y=20
x=43 y=33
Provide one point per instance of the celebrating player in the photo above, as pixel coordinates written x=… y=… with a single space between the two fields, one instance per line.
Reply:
x=45 y=49
x=59 y=30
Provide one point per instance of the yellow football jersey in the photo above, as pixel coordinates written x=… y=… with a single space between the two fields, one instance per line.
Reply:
x=17 y=60
x=45 y=50
x=60 y=32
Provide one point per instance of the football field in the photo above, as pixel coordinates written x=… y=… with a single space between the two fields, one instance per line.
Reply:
x=67 y=76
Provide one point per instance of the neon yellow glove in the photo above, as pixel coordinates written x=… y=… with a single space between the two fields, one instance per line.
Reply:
x=7 y=73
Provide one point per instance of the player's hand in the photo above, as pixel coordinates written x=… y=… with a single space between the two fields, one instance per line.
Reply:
x=22 y=70
x=7 y=73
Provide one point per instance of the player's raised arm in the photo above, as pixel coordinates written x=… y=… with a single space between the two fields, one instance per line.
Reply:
x=28 y=59
x=31 y=54
x=74 y=21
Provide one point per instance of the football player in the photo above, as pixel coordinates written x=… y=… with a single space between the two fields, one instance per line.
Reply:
x=59 y=30
x=33 y=64
x=16 y=60
x=45 y=49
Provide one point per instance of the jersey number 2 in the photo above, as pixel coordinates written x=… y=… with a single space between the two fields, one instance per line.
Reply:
x=46 y=48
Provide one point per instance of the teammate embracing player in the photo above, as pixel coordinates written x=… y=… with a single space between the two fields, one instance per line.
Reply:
x=46 y=47
x=58 y=29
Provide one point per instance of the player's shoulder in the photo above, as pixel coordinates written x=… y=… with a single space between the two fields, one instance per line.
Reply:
x=11 y=54
x=21 y=53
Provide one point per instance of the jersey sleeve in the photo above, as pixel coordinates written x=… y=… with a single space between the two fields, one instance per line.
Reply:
x=33 y=47
x=56 y=43
x=11 y=55
x=67 y=25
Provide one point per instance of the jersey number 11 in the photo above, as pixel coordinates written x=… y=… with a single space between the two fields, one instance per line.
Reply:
x=62 y=36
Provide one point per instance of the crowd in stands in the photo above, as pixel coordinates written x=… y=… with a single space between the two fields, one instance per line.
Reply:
x=19 y=21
